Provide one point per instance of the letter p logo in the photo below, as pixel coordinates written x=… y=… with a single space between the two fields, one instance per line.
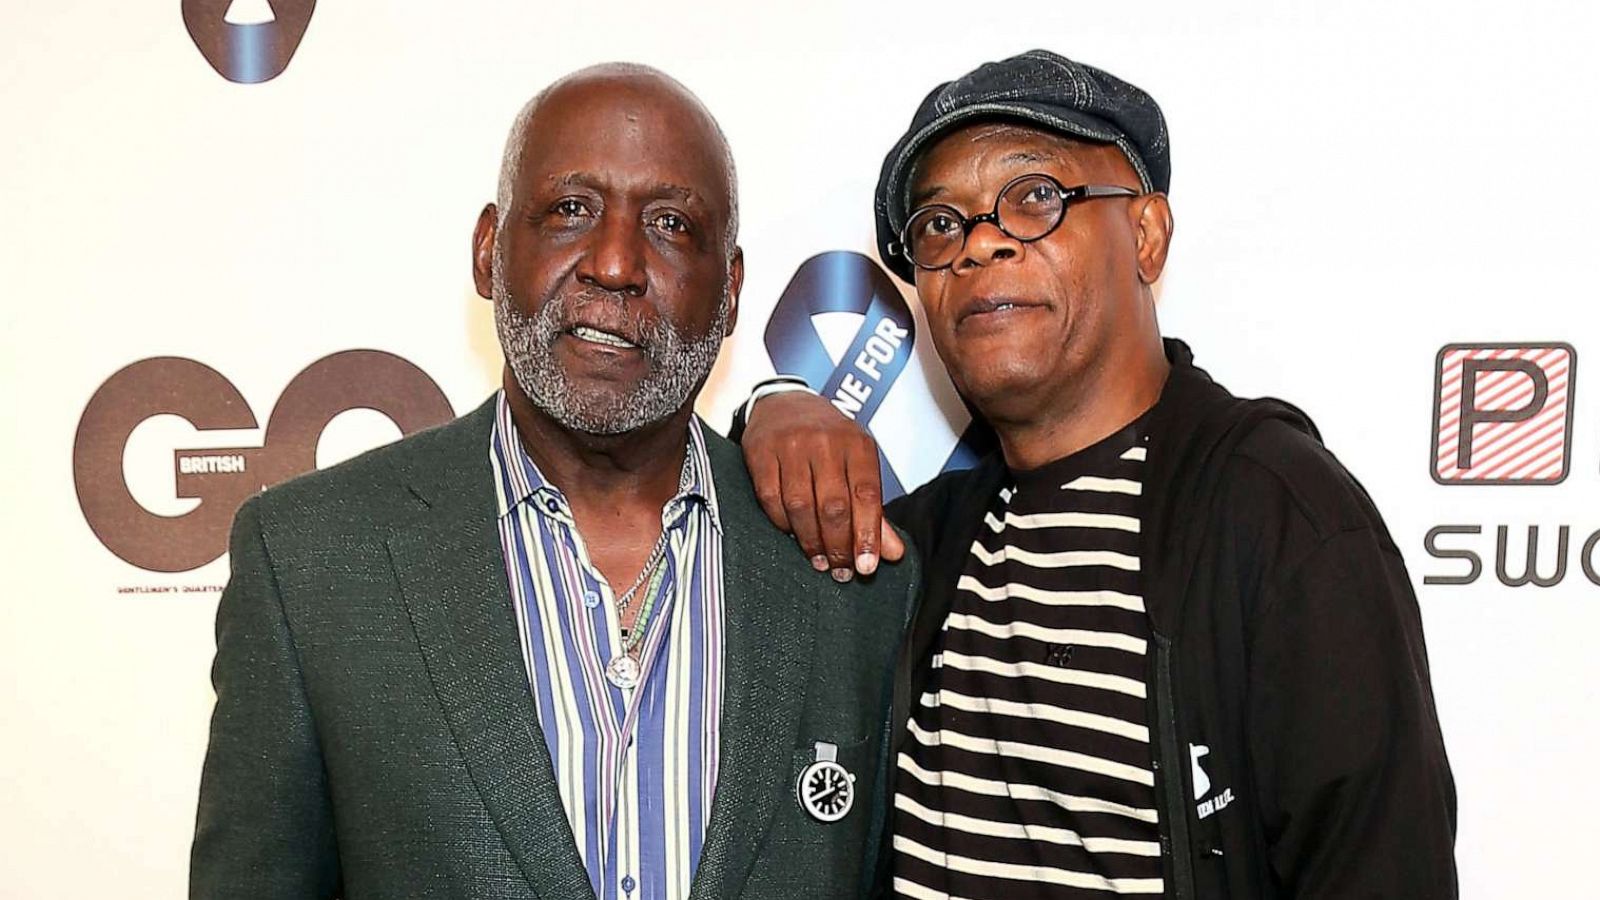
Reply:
x=1502 y=413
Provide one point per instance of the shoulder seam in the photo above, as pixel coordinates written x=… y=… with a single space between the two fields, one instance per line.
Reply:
x=1300 y=505
x=1293 y=572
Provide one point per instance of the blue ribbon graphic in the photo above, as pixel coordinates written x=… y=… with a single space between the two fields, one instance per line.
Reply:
x=844 y=281
x=252 y=52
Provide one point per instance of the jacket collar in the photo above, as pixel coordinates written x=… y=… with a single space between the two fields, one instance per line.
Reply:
x=769 y=608
x=451 y=572
x=1195 y=428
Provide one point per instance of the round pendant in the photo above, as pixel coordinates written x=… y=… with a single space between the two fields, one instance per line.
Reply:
x=623 y=672
x=826 y=791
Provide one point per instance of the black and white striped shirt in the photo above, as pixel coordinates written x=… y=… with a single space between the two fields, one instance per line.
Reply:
x=1027 y=771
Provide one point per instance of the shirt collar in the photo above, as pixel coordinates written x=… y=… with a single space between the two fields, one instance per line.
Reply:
x=519 y=481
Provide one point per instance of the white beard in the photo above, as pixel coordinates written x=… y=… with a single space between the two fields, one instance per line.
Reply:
x=679 y=363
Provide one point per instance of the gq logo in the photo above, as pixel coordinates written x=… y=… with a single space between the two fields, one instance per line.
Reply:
x=221 y=479
x=247 y=41
x=1502 y=413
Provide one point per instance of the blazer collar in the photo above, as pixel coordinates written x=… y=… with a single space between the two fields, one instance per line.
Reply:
x=451 y=571
x=768 y=609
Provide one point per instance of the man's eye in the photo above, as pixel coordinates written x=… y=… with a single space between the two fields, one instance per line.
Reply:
x=942 y=224
x=1041 y=193
x=672 y=223
x=570 y=208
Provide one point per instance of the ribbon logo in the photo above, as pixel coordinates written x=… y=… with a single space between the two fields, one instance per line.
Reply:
x=843 y=281
x=247 y=41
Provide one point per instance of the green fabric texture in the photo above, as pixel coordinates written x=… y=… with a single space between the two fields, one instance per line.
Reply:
x=374 y=734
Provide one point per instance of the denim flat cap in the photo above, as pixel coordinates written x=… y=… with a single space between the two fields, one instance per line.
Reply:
x=1039 y=88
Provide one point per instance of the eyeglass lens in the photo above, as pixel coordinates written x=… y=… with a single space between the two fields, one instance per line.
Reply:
x=1027 y=209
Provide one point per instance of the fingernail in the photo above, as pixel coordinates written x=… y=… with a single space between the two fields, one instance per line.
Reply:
x=867 y=563
x=819 y=562
x=841 y=575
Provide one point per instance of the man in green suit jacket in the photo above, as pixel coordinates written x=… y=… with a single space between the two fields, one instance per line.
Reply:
x=406 y=639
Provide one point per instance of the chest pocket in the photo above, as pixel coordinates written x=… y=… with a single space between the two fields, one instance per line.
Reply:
x=806 y=855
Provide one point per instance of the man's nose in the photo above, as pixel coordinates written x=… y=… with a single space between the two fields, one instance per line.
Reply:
x=615 y=261
x=986 y=245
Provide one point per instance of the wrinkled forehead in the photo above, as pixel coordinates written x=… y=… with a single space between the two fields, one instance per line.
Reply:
x=625 y=131
x=1003 y=148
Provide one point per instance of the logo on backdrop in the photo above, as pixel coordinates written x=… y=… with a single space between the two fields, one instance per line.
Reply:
x=247 y=41
x=1503 y=415
x=842 y=281
x=222 y=479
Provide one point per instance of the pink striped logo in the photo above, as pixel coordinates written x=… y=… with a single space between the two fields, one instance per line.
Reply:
x=1502 y=413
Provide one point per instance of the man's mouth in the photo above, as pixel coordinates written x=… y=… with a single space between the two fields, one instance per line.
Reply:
x=987 y=305
x=604 y=338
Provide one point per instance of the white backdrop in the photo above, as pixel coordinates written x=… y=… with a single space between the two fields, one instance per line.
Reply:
x=1354 y=189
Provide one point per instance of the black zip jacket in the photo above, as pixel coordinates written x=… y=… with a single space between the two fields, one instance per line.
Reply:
x=1285 y=639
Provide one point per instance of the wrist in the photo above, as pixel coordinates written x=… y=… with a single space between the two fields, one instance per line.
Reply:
x=777 y=384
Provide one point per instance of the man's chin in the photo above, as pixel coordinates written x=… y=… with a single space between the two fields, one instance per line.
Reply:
x=600 y=413
x=1002 y=393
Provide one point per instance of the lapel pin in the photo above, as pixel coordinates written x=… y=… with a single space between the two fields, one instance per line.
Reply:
x=825 y=789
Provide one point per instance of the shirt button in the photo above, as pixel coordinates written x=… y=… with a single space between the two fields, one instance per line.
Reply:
x=628 y=884
x=591 y=599
x=552 y=505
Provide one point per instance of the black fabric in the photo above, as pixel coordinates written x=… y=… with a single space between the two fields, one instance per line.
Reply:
x=1111 y=762
x=1287 y=644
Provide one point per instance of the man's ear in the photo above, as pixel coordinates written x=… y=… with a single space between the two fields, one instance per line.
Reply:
x=1152 y=222
x=735 y=285
x=483 y=237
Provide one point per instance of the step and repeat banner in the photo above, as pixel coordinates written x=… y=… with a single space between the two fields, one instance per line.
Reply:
x=234 y=247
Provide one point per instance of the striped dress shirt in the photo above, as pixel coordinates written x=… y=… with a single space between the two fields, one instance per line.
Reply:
x=636 y=766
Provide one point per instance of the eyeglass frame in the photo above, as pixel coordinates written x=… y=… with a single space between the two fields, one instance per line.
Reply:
x=1069 y=196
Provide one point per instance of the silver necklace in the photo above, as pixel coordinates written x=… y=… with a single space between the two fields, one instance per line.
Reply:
x=625 y=598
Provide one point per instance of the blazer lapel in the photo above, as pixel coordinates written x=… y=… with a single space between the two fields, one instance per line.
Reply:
x=451 y=571
x=768 y=614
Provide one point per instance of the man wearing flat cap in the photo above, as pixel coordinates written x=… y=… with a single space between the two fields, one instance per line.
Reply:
x=1166 y=646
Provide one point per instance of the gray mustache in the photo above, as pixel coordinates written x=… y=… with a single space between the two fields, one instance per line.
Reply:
x=563 y=311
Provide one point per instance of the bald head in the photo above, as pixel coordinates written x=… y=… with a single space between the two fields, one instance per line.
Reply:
x=630 y=87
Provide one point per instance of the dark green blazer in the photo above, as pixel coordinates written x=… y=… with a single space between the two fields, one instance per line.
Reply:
x=374 y=734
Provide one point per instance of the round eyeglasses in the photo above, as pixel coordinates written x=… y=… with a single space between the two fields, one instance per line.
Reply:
x=1027 y=208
